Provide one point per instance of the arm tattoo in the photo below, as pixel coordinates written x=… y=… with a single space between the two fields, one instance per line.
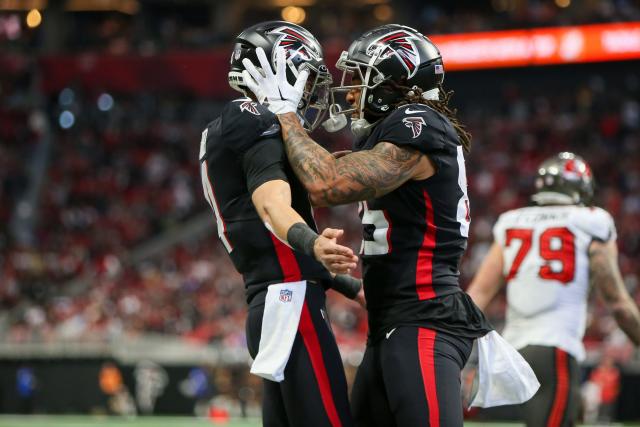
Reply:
x=604 y=274
x=357 y=176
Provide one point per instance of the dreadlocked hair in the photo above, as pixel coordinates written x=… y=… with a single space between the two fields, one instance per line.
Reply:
x=414 y=96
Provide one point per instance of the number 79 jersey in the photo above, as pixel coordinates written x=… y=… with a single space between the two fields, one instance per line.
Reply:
x=546 y=267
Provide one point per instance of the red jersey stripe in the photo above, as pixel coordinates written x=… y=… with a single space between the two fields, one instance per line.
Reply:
x=562 y=390
x=426 y=344
x=424 y=267
x=312 y=344
x=287 y=260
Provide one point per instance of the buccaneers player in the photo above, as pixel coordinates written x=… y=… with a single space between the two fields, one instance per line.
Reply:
x=549 y=255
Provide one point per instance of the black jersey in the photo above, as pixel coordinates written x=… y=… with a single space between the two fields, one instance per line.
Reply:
x=239 y=151
x=415 y=236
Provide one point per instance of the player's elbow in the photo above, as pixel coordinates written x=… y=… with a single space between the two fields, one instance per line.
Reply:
x=619 y=304
x=318 y=200
x=271 y=198
x=271 y=207
x=318 y=194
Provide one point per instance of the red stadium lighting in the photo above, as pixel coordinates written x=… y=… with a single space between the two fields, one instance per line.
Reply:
x=544 y=46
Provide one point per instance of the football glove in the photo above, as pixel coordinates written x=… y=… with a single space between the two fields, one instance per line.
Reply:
x=279 y=95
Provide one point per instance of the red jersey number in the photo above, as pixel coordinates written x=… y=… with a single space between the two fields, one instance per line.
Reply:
x=556 y=244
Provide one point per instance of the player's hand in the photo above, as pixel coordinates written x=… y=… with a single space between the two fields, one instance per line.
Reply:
x=280 y=96
x=336 y=258
x=341 y=153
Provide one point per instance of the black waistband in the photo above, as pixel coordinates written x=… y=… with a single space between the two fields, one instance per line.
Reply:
x=454 y=313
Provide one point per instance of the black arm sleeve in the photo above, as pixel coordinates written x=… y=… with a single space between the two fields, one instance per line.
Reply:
x=264 y=162
x=302 y=238
x=347 y=285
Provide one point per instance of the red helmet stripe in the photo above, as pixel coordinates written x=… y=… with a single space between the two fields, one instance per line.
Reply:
x=295 y=34
x=394 y=36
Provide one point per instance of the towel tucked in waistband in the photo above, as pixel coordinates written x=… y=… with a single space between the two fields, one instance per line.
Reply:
x=283 y=305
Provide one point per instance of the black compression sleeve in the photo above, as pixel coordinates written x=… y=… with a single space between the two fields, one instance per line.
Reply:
x=347 y=285
x=302 y=238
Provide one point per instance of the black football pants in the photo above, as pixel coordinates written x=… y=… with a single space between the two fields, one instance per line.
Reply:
x=314 y=391
x=557 y=400
x=411 y=378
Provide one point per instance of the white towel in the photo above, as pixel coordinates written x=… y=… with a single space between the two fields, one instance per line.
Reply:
x=504 y=377
x=282 y=308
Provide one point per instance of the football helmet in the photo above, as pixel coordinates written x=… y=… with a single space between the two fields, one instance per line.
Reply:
x=564 y=179
x=385 y=64
x=302 y=51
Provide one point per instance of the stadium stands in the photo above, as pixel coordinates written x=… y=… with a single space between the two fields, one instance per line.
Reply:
x=117 y=178
x=123 y=244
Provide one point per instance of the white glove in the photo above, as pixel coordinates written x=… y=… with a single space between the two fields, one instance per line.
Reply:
x=274 y=89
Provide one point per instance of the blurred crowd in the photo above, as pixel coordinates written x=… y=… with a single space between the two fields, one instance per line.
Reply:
x=122 y=169
x=157 y=26
x=121 y=176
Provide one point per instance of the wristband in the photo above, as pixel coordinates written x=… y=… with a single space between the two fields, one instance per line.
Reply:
x=347 y=285
x=302 y=238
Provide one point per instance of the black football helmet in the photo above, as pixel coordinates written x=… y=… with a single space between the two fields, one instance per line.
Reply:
x=302 y=51
x=564 y=179
x=388 y=61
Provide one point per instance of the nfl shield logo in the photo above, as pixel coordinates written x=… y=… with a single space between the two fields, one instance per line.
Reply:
x=285 y=295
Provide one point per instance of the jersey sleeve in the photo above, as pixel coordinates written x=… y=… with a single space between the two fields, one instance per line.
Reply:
x=244 y=122
x=264 y=162
x=597 y=223
x=416 y=126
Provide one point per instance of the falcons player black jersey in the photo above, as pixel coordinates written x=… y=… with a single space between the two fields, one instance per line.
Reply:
x=414 y=236
x=239 y=151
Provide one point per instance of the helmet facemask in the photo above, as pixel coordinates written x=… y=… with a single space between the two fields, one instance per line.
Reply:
x=315 y=99
x=353 y=70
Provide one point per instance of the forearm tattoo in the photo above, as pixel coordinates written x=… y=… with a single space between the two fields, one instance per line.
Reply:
x=357 y=176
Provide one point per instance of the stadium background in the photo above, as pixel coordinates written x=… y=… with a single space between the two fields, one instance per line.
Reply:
x=115 y=294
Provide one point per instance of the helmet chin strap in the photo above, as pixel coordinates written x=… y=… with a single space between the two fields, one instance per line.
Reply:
x=336 y=121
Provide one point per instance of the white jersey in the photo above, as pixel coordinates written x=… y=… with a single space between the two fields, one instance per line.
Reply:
x=546 y=266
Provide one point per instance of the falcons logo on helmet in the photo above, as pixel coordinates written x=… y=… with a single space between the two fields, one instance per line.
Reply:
x=415 y=124
x=296 y=44
x=401 y=44
x=249 y=106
